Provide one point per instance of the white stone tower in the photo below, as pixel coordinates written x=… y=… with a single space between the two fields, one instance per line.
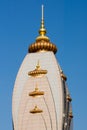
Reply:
x=41 y=100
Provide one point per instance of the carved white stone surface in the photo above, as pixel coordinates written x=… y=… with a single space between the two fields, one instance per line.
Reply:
x=51 y=84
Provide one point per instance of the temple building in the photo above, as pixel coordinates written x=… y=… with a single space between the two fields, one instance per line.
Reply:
x=41 y=100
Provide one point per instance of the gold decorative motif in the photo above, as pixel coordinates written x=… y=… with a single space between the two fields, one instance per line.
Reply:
x=42 y=41
x=69 y=98
x=37 y=72
x=70 y=114
x=42 y=44
x=36 y=110
x=63 y=76
x=42 y=30
x=36 y=92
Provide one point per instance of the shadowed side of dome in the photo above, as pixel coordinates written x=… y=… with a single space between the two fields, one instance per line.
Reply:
x=42 y=41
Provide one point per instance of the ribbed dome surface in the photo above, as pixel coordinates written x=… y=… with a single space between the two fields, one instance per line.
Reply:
x=42 y=45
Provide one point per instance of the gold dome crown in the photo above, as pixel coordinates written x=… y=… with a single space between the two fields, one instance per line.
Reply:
x=42 y=41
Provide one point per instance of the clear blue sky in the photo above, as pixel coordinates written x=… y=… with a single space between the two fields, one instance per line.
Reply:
x=66 y=22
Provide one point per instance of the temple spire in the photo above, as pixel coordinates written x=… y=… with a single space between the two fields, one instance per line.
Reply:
x=42 y=30
x=42 y=12
x=42 y=42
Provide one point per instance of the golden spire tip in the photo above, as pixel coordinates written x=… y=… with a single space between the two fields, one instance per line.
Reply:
x=42 y=30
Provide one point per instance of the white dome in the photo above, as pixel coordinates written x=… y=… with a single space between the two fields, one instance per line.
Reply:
x=52 y=102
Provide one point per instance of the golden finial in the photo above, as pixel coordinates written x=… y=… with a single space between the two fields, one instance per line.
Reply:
x=42 y=42
x=42 y=30
x=38 y=65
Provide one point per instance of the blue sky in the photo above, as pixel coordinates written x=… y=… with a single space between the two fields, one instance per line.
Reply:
x=66 y=24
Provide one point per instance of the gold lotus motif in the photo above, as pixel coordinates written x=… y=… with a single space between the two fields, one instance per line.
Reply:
x=36 y=110
x=37 y=72
x=36 y=92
